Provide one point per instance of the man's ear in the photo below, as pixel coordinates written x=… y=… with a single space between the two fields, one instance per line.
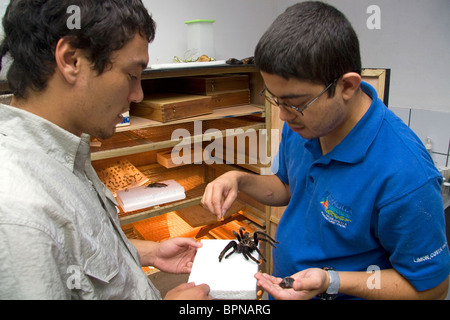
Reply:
x=67 y=60
x=351 y=84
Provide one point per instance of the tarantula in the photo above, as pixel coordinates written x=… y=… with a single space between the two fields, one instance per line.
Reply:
x=247 y=245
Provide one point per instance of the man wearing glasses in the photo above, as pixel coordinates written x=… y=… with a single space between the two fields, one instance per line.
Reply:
x=362 y=192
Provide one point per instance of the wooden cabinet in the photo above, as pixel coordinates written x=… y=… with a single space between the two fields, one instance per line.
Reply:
x=145 y=142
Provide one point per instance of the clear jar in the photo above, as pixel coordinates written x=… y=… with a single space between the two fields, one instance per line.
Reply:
x=200 y=37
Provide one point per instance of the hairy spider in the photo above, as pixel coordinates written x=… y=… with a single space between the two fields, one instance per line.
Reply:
x=246 y=245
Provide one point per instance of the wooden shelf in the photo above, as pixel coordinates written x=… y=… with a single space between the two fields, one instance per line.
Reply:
x=158 y=210
x=191 y=177
x=135 y=139
x=236 y=111
x=147 y=136
x=197 y=71
x=178 y=72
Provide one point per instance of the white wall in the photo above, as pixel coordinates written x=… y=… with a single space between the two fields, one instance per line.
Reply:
x=238 y=27
x=413 y=40
x=415 y=44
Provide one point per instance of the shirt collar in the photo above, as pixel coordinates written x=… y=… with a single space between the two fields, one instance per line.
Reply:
x=355 y=145
x=39 y=133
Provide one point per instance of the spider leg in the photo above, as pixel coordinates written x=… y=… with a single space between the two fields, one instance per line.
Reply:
x=268 y=241
x=243 y=234
x=237 y=236
x=252 y=257
x=258 y=236
x=231 y=244
x=234 y=249
x=261 y=254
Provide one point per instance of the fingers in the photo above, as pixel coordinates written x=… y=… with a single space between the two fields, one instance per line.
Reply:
x=204 y=289
x=268 y=282
x=267 y=278
x=212 y=199
x=189 y=291
x=228 y=201
x=206 y=199
x=187 y=268
x=218 y=198
x=188 y=242
x=271 y=285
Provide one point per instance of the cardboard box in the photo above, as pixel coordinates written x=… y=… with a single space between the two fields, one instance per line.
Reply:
x=167 y=107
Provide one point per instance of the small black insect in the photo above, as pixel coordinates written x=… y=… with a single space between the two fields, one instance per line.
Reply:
x=287 y=283
x=247 y=245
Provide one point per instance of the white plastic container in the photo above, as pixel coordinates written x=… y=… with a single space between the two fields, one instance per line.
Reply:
x=200 y=37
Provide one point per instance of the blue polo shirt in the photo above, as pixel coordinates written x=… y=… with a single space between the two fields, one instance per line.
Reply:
x=374 y=200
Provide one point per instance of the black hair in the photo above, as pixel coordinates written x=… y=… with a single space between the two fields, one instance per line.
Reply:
x=310 y=41
x=32 y=29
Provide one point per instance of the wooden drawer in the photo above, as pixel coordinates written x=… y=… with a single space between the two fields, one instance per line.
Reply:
x=167 y=107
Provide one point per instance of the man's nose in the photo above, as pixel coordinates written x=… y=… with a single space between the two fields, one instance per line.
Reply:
x=285 y=114
x=137 y=94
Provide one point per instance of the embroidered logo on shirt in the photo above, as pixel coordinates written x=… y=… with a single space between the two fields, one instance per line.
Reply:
x=336 y=213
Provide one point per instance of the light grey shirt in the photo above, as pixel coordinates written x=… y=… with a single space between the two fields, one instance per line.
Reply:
x=60 y=236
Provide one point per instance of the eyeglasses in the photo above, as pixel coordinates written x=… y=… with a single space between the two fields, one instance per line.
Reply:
x=276 y=101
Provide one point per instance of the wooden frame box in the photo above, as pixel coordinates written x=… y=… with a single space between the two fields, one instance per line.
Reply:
x=207 y=85
x=167 y=107
x=230 y=98
x=380 y=80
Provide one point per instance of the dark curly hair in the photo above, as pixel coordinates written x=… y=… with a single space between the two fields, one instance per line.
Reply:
x=310 y=41
x=33 y=28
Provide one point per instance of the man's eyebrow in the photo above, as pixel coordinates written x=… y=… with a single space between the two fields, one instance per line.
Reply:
x=139 y=63
x=289 y=96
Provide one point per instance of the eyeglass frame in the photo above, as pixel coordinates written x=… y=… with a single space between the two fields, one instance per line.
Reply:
x=272 y=98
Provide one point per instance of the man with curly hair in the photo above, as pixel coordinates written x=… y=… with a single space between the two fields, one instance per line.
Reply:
x=60 y=237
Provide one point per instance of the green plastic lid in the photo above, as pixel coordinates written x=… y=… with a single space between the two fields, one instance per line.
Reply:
x=200 y=21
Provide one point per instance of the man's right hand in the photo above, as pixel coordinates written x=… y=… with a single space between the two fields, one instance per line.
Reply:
x=220 y=194
x=189 y=291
